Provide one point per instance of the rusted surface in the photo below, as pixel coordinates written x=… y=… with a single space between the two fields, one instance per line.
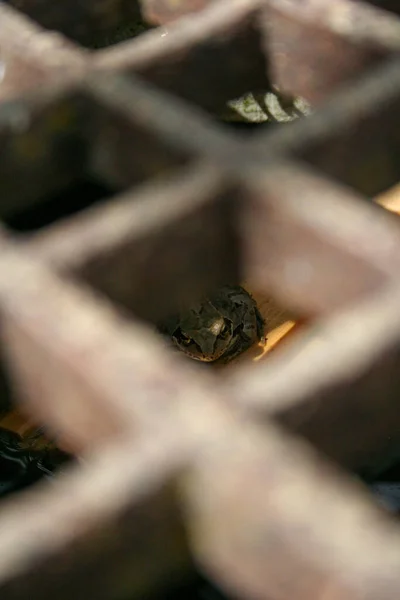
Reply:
x=204 y=60
x=50 y=57
x=351 y=372
x=162 y=11
x=262 y=511
x=367 y=110
x=316 y=46
x=181 y=465
x=340 y=248
x=120 y=514
x=201 y=268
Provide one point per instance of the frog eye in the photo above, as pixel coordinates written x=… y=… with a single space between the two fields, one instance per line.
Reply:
x=184 y=339
x=224 y=330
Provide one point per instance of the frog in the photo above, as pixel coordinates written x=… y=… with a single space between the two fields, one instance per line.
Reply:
x=217 y=328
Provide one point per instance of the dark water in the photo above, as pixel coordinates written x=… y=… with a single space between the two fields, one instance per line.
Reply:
x=22 y=464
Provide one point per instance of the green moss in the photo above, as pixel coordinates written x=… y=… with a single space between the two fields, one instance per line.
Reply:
x=267 y=106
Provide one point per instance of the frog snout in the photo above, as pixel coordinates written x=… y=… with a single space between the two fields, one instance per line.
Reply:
x=208 y=345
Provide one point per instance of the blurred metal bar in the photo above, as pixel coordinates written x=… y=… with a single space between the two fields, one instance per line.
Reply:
x=181 y=467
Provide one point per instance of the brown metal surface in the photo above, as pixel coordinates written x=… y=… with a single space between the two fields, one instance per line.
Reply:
x=165 y=11
x=227 y=471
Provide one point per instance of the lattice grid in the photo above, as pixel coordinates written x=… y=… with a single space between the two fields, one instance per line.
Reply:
x=240 y=472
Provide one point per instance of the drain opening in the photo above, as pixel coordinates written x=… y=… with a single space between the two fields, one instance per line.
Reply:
x=191 y=586
x=72 y=200
x=85 y=24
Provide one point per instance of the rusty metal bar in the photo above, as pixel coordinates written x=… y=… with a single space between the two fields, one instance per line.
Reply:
x=50 y=58
x=276 y=521
x=341 y=407
x=338 y=139
x=125 y=507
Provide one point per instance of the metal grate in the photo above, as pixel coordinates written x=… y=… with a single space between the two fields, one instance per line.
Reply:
x=241 y=473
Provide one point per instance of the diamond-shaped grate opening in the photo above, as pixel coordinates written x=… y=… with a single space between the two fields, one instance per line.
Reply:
x=363 y=117
x=206 y=64
x=73 y=199
x=57 y=152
